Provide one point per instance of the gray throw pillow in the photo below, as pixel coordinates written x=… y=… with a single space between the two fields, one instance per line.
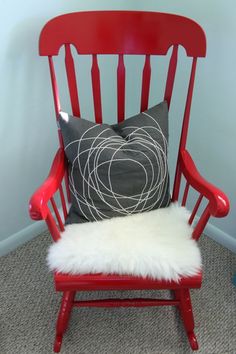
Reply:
x=117 y=170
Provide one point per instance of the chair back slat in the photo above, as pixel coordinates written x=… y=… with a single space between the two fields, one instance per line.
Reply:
x=121 y=89
x=96 y=87
x=71 y=79
x=185 y=196
x=184 y=132
x=171 y=75
x=56 y=98
x=55 y=91
x=145 y=84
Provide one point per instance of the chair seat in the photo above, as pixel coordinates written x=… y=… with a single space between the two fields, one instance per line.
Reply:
x=155 y=244
x=89 y=282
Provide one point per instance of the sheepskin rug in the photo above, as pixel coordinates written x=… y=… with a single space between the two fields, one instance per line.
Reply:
x=156 y=244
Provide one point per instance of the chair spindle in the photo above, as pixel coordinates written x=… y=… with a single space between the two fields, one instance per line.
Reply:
x=52 y=226
x=171 y=75
x=185 y=194
x=63 y=202
x=96 y=90
x=71 y=79
x=55 y=209
x=145 y=84
x=195 y=209
x=201 y=223
x=121 y=89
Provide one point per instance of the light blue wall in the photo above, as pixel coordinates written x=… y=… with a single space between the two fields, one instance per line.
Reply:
x=27 y=128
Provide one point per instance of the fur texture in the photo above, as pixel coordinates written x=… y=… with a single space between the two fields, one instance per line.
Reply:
x=157 y=244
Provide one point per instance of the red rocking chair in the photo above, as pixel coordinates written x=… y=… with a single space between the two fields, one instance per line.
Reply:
x=121 y=33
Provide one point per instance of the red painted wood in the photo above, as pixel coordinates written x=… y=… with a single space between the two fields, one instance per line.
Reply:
x=177 y=181
x=61 y=144
x=218 y=201
x=145 y=84
x=63 y=318
x=63 y=202
x=71 y=79
x=124 y=32
x=185 y=194
x=60 y=223
x=184 y=131
x=57 y=343
x=185 y=126
x=90 y=282
x=56 y=98
x=192 y=340
x=55 y=91
x=67 y=184
x=186 y=309
x=171 y=75
x=126 y=303
x=38 y=208
x=57 y=106
x=195 y=209
x=198 y=229
x=96 y=90
x=52 y=226
x=118 y=32
x=121 y=89
x=187 y=316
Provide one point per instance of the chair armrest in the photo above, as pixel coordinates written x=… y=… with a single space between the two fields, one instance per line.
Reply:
x=38 y=208
x=218 y=202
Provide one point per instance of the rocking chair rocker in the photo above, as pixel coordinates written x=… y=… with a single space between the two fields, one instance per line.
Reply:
x=120 y=33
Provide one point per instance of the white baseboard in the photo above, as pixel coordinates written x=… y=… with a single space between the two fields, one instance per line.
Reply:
x=31 y=231
x=25 y=235
x=21 y=237
x=221 y=237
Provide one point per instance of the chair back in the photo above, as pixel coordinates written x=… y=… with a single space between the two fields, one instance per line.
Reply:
x=122 y=33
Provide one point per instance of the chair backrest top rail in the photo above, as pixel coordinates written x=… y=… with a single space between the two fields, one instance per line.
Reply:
x=122 y=32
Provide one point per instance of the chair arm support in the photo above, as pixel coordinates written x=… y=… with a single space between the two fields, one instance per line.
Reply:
x=218 y=202
x=38 y=208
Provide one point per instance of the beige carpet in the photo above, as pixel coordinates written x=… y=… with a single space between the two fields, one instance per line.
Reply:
x=29 y=306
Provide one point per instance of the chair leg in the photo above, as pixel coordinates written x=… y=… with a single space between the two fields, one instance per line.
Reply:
x=187 y=315
x=63 y=318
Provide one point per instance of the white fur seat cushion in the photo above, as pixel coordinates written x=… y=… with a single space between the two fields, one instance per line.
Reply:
x=157 y=244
